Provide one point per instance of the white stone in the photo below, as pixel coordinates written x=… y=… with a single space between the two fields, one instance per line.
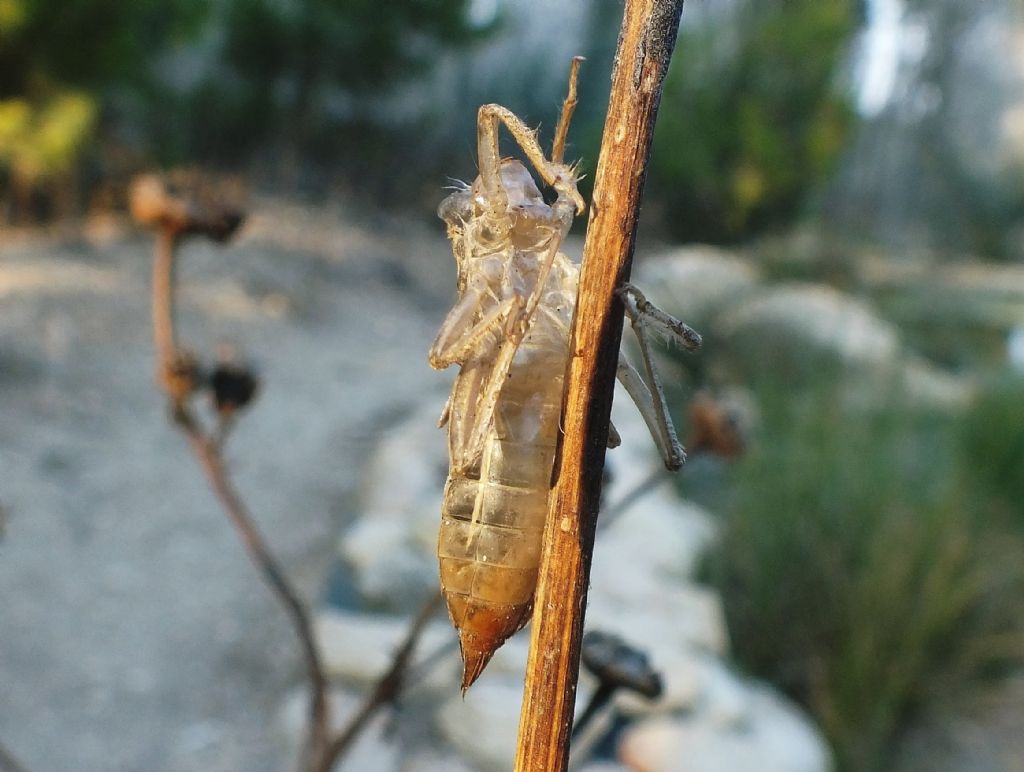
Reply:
x=601 y=766
x=661 y=530
x=774 y=737
x=926 y=385
x=432 y=761
x=390 y=548
x=410 y=462
x=373 y=750
x=484 y=726
x=725 y=699
x=693 y=282
x=815 y=316
x=359 y=647
x=674 y=615
x=1015 y=348
x=390 y=561
x=661 y=536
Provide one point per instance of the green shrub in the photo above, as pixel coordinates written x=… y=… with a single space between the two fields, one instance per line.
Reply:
x=60 y=60
x=751 y=119
x=993 y=442
x=86 y=44
x=860 y=574
x=286 y=63
x=38 y=141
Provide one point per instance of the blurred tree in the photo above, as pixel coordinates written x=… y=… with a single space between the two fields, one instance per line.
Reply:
x=304 y=61
x=41 y=141
x=751 y=118
x=86 y=43
x=939 y=167
x=58 y=59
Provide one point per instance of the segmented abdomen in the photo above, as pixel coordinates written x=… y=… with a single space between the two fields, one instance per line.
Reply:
x=492 y=518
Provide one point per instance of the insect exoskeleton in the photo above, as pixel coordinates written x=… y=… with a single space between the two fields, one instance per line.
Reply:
x=509 y=333
x=504 y=409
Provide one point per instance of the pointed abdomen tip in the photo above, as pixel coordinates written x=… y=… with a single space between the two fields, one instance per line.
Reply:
x=483 y=626
x=474 y=663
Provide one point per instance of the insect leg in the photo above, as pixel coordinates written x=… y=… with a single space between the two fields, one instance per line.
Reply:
x=446 y=413
x=654 y=413
x=642 y=312
x=614 y=438
x=643 y=316
x=568 y=107
x=459 y=339
x=506 y=323
x=472 y=344
x=519 y=322
x=557 y=175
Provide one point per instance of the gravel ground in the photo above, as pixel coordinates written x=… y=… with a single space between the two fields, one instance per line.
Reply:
x=134 y=634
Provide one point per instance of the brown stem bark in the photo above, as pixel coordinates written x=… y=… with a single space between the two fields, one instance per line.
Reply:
x=163 y=296
x=645 y=47
x=209 y=457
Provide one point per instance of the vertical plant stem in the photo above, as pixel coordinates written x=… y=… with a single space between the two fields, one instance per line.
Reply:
x=322 y=749
x=207 y=451
x=163 y=296
x=646 y=41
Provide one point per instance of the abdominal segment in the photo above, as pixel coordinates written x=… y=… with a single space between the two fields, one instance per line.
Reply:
x=492 y=516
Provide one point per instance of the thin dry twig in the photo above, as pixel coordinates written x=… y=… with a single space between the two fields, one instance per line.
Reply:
x=208 y=453
x=387 y=689
x=645 y=47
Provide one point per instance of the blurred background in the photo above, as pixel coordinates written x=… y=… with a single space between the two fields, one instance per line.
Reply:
x=835 y=200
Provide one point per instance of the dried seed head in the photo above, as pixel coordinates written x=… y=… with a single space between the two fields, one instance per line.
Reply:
x=721 y=423
x=187 y=203
x=234 y=386
x=616 y=664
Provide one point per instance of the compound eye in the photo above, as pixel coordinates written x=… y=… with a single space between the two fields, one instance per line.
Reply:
x=456 y=208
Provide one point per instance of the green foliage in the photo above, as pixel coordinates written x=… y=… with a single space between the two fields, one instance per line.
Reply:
x=750 y=120
x=860 y=573
x=86 y=43
x=38 y=141
x=181 y=81
x=349 y=42
x=993 y=437
x=59 y=60
x=289 y=60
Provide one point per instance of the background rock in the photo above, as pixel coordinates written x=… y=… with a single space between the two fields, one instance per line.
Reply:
x=770 y=735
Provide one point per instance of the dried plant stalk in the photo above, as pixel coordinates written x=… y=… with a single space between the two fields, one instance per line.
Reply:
x=207 y=452
x=179 y=376
x=645 y=47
